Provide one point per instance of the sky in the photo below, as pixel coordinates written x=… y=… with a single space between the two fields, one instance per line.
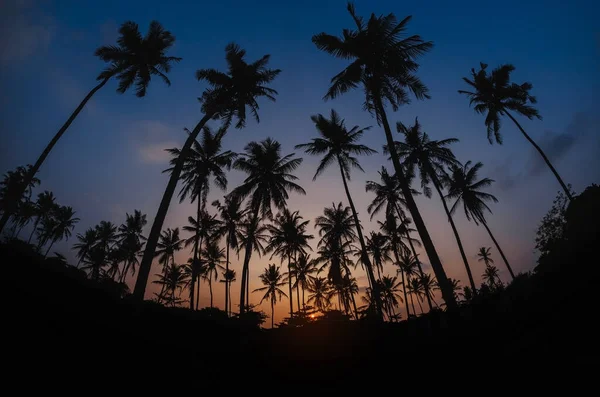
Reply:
x=111 y=159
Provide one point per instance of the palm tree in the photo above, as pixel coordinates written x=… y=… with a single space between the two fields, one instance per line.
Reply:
x=25 y=213
x=228 y=278
x=320 y=293
x=288 y=238
x=390 y=293
x=204 y=161
x=231 y=215
x=63 y=223
x=495 y=95
x=167 y=246
x=272 y=279
x=388 y=193
x=431 y=157
x=86 y=242
x=416 y=288
x=407 y=266
x=268 y=182
x=338 y=144
x=174 y=278
x=464 y=186
x=13 y=187
x=485 y=256
x=491 y=276
x=429 y=285
x=214 y=256
x=203 y=229
x=44 y=206
x=227 y=98
x=94 y=260
x=133 y=60
x=383 y=62
x=131 y=241
x=302 y=269
x=379 y=250
x=253 y=238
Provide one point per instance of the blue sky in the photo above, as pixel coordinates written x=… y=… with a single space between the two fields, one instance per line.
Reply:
x=110 y=160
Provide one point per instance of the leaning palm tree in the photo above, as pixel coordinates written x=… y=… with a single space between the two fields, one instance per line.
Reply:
x=268 y=183
x=272 y=279
x=430 y=157
x=383 y=61
x=320 y=293
x=86 y=242
x=485 y=256
x=231 y=215
x=134 y=60
x=339 y=145
x=288 y=239
x=205 y=161
x=213 y=256
x=229 y=95
x=464 y=186
x=494 y=95
x=64 y=221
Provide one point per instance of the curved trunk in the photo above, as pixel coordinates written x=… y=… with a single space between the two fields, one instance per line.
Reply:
x=146 y=264
x=361 y=240
x=52 y=242
x=403 y=283
x=541 y=152
x=414 y=252
x=434 y=259
x=291 y=299
x=499 y=249
x=227 y=281
x=10 y=207
x=436 y=183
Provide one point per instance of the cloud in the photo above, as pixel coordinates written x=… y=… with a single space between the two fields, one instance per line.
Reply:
x=24 y=30
x=152 y=138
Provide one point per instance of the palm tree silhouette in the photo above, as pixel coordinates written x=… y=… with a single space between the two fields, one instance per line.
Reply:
x=133 y=60
x=44 y=206
x=227 y=97
x=379 y=250
x=204 y=161
x=302 y=269
x=383 y=62
x=429 y=285
x=268 y=182
x=253 y=238
x=491 y=276
x=495 y=95
x=231 y=215
x=86 y=242
x=464 y=186
x=167 y=246
x=390 y=292
x=338 y=144
x=272 y=280
x=213 y=258
x=485 y=256
x=62 y=223
x=431 y=157
x=25 y=213
x=174 y=278
x=131 y=241
x=320 y=293
x=288 y=238
x=13 y=187
x=228 y=278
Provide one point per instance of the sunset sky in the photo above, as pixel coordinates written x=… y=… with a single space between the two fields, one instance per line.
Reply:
x=110 y=160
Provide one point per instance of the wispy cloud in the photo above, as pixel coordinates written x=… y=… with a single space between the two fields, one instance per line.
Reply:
x=152 y=138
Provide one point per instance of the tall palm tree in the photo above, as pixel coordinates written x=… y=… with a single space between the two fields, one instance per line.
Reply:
x=392 y=231
x=383 y=61
x=228 y=96
x=272 y=279
x=390 y=291
x=228 y=278
x=485 y=256
x=320 y=293
x=253 y=238
x=205 y=161
x=388 y=193
x=203 y=229
x=288 y=239
x=173 y=279
x=44 y=206
x=64 y=221
x=339 y=145
x=134 y=59
x=213 y=256
x=169 y=244
x=86 y=242
x=495 y=95
x=231 y=215
x=268 y=182
x=302 y=270
x=464 y=186
x=431 y=157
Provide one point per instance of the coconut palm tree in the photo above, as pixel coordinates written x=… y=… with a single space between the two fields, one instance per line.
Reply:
x=302 y=270
x=339 y=145
x=44 y=206
x=86 y=242
x=131 y=241
x=173 y=279
x=205 y=228
x=416 y=288
x=320 y=293
x=288 y=239
x=383 y=62
x=14 y=188
x=63 y=223
x=491 y=276
x=431 y=157
x=272 y=279
x=495 y=95
x=429 y=286
x=228 y=278
x=465 y=188
x=25 y=213
x=94 y=261
x=231 y=215
x=268 y=183
x=213 y=256
x=227 y=97
x=379 y=250
x=135 y=59
x=390 y=292
x=169 y=244
x=253 y=238
x=485 y=256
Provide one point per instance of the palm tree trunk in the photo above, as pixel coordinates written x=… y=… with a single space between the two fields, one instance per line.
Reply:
x=195 y=258
x=35 y=224
x=290 y=285
x=412 y=302
x=162 y=287
x=247 y=256
x=363 y=253
x=19 y=231
x=414 y=252
x=303 y=302
x=248 y=286
x=354 y=305
x=420 y=306
x=499 y=249
x=403 y=282
x=434 y=259
x=378 y=266
x=210 y=289
x=146 y=265
x=226 y=281
x=456 y=236
x=541 y=152
x=52 y=242
x=272 y=315
x=12 y=201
